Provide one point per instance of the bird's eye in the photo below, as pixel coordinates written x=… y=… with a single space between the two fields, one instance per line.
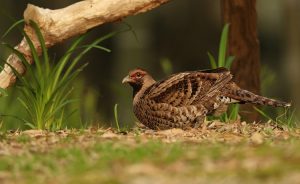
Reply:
x=138 y=75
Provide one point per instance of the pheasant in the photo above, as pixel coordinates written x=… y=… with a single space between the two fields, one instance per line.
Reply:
x=183 y=100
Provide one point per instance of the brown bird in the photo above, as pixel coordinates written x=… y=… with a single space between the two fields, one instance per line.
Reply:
x=183 y=100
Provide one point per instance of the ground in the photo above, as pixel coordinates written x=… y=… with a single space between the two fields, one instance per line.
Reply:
x=216 y=153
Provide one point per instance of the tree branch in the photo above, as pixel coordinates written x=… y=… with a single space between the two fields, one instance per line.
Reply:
x=61 y=24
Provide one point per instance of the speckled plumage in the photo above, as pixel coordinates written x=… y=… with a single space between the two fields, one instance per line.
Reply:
x=183 y=100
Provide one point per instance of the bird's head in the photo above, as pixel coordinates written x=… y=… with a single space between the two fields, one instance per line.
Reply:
x=138 y=78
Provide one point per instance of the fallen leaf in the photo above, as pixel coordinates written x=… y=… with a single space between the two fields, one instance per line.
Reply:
x=109 y=135
x=257 y=138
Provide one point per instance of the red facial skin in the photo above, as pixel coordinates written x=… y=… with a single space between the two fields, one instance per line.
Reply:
x=135 y=79
x=136 y=76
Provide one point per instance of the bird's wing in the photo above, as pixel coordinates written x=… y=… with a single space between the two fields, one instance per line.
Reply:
x=189 y=88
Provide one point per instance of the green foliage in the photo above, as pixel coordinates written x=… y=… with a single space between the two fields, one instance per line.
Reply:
x=281 y=116
x=121 y=127
x=15 y=25
x=3 y=93
x=9 y=107
x=223 y=45
x=87 y=112
x=45 y=92
x=231 y=114
x=223 y=61
x=77 y=158
x=286 y=118
x=116 y=117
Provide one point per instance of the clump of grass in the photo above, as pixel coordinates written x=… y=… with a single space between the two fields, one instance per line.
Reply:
x=225 y=61
x=281 y=116
x=232 y=113
x=45 y=92
x=286 y=118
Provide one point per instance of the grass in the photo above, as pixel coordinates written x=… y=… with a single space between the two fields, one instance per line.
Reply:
x=286 y=118
x=45 y=91
x=121 y=128
x=282 y=116
x=220 y=153
x=116 y=117
x=99 y=156
x=224 y=61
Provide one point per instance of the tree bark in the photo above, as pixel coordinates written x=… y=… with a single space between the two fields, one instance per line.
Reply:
x=244 y=45
x=61 y=24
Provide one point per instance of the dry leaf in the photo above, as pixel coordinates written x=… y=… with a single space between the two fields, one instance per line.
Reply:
x=257 y=138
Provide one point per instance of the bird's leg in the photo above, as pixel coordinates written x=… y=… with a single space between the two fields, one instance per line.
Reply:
x=198 y=121
x=201 y=117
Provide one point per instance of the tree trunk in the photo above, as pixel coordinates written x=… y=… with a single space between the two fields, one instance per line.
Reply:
x=244 y=45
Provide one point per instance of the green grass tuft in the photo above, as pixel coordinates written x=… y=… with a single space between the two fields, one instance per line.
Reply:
x=45 y=91
x=286 y=118
x=223 y=61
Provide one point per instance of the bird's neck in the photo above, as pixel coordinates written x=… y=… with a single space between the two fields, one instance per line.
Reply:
x=139 y=89
x=136 y=89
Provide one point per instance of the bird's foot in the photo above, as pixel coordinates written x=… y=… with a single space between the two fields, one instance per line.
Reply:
x=199 y=120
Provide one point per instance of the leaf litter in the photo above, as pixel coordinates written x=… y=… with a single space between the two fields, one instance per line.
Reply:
x=216 y=152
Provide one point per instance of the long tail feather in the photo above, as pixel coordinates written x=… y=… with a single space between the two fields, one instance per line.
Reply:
x=244 y=96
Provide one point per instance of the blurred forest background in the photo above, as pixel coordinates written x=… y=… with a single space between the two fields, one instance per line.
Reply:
x=175 y=36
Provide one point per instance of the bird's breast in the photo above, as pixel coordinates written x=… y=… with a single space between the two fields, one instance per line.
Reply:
x=164 y=116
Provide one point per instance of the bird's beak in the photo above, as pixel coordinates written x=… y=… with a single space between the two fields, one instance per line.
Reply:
x=126 y=80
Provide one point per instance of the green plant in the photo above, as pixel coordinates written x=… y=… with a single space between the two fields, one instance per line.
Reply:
x=3 y=92
x=88 y=111
x=281 y=116
x=45 y=91
x=286 y=118
x=124 y=128
x=223 y=61
x=231 y=114
x=116 y=117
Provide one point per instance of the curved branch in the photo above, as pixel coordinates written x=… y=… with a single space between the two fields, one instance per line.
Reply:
x=61 y=24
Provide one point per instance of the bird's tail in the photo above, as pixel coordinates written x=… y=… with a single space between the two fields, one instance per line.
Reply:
x=244 y=96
